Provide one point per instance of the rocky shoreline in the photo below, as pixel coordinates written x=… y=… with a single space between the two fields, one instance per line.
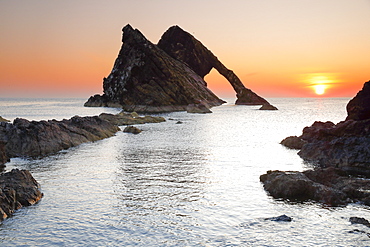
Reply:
x=17 y=189
x=340 y=154
x=24 y=138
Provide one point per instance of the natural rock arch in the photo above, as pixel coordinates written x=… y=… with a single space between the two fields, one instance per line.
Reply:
x=165 y=77
x=184 y=47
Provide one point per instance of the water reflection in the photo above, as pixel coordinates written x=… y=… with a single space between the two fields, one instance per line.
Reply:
x=161 y=188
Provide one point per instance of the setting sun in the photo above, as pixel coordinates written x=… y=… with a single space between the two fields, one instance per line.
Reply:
x=319 y=89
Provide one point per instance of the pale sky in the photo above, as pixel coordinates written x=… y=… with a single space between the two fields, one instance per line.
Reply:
x=278 y=48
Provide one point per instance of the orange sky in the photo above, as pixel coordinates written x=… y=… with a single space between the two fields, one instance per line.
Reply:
x=278 y=48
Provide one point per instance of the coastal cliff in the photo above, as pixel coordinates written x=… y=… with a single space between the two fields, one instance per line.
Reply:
x=165 y=77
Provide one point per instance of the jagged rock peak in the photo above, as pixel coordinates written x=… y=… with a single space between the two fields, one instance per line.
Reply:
x=144 y=78
x=165 y=77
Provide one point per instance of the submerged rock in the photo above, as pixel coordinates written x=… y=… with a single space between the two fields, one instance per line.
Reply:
x=17 y=189
x=165 y=77
x=281 y=218
x=132 y=129
x=39 y=138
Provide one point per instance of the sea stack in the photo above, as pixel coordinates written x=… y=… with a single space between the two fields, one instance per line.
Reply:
x=165 y=77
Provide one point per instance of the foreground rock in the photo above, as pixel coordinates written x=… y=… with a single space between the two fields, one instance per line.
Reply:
x=165 y=77
x=39 y=138
x=331 y=186
x=123 y=118
x=341 y=155
x=17 y=189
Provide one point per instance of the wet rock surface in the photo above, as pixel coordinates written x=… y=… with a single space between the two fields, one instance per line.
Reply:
x=123 y=118
x=359 y=220
x=281 y=218
x=132 y=129
x=340 y=154
x=330 y=186
x=17 y=189
x=293 y=142
x=38 y=138
x=165 y=77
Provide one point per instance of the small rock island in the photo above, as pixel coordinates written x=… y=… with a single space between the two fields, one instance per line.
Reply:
x=166 y=77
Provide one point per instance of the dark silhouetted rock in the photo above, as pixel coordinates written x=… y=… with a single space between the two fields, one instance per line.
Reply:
x=123 y=118
x=345 y=145
x=293 y=142
x=268 y=107
x=331 y=186
x=359 y=107
x=296 y=186
x=182 y=46
x=165 y=77
x=39 y=138
x=341 y=153
x=17 y=189
x=146 y=79
x=132 y=129
x=281 y=218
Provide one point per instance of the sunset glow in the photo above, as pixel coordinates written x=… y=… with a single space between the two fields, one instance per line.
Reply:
x=64 y=48
x=319 y=89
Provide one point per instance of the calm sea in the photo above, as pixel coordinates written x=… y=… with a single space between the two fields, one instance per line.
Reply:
x=190 y=184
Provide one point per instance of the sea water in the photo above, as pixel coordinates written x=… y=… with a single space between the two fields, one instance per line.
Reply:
x=194 y=183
